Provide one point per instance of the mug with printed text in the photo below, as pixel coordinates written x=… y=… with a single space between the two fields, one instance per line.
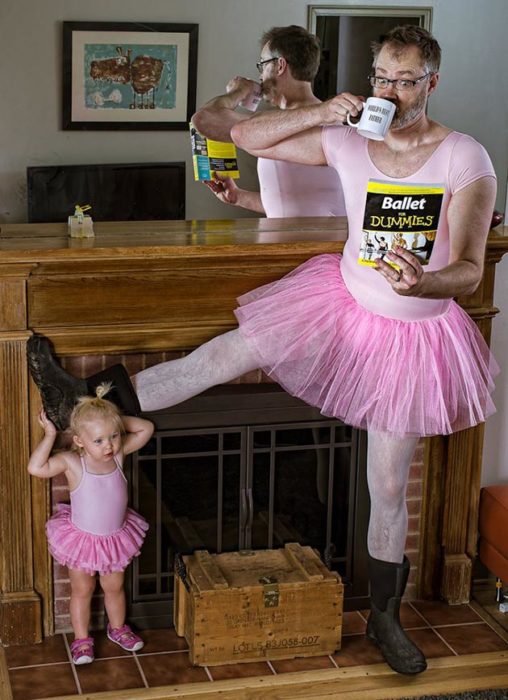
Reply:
x=253 y=99
x=375 y=120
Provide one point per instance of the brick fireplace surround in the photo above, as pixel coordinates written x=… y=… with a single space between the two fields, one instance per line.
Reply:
x=142 y=288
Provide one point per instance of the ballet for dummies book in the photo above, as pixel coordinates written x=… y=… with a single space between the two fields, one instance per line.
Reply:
x=405 y=215
x=209 y=157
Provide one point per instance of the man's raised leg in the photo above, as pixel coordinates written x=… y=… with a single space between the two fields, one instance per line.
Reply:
x=219 y=360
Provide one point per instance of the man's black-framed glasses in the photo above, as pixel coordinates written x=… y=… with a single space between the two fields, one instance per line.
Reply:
x=260 y=64
x=399 y=83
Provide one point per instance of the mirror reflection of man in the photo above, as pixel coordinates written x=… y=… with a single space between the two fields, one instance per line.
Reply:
x=287 y=65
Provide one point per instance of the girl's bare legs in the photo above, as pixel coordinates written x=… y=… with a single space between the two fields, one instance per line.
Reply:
x=388 y=460
x=221 y=359
x=82 y=589
x=114 y=598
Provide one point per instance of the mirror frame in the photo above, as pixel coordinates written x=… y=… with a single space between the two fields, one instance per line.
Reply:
x=424 y=14
x=327 y=80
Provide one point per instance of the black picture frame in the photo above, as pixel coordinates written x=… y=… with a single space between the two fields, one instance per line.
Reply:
x=107 y=63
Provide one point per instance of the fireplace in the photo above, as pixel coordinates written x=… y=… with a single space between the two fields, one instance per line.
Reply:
x=247 y=467
x=242 y=466
x=161 y=287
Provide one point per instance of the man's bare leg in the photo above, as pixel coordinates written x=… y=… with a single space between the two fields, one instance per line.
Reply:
x=388 y=462
x=221 y=359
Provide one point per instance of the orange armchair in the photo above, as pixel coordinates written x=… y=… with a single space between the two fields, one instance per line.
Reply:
x=493 y=527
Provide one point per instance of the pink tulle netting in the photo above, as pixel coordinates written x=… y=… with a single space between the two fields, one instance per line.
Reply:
x=430 y=377
x=91 y=553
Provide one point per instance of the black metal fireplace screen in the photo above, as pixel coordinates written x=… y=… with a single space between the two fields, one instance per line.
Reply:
x=247 y=467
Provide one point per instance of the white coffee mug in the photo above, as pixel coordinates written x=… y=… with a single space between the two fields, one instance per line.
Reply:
x=375 y=120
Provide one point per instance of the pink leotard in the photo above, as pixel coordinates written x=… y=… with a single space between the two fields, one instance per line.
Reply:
x=97 y=532
x=291 y=189
x=458 y=161
x=99 y=502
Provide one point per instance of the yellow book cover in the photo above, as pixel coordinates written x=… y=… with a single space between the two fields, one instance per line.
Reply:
x=405 y=215
x=209 y=157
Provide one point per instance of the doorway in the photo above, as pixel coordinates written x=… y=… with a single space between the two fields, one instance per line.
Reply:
x=346 y=34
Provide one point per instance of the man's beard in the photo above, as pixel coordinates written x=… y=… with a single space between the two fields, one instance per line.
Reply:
x=406 y=116
x=268 y=89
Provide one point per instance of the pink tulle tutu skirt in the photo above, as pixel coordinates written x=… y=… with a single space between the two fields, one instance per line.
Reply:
x=91 y=553
x=430 y=377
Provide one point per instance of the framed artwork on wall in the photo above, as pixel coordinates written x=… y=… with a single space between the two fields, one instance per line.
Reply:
x=129 y=75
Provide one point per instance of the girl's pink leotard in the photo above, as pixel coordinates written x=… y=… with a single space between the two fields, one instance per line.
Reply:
x=292 y=189
x=90 y=496
x=97 y=532
x=334 y=333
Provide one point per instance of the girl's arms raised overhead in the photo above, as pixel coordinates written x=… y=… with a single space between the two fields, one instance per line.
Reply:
x=137 y=433
x=41 y=464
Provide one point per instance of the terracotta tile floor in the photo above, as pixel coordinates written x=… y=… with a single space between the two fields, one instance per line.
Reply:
x=44 y=670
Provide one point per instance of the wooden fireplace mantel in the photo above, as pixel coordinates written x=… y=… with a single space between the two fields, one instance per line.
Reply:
x=152 y=286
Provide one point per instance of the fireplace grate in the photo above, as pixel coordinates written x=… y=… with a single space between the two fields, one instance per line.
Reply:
x=273 y=471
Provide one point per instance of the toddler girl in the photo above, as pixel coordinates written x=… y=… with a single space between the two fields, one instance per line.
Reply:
x=97 y=532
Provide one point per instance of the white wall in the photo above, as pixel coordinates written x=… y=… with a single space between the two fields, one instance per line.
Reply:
x=495 y=451
x=472 y=97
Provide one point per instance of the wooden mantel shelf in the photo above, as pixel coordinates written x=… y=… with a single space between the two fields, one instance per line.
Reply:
x=173 y=238
x=151 y=286
x=159 y=285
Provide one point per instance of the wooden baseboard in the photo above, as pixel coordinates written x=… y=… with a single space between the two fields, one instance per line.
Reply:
x=451 y=674
x=20 y=618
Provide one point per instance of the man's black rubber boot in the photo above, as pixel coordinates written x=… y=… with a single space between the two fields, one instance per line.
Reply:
x=121 y=393
x=60 y=391
x=388 y=582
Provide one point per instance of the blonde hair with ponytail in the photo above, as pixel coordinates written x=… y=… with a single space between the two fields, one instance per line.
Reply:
x=96 y=407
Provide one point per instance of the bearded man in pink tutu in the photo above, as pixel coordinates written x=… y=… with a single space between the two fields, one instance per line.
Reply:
x=325 y=331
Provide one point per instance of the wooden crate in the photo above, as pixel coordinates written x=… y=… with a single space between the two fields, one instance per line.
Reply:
x=246 y=606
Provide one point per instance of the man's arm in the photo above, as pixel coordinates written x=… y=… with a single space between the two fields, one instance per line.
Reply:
x=228 y=192
x=294 y=134
x=469 y=217
x=215 y=119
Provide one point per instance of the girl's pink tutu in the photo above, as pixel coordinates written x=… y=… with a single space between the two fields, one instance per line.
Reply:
x=430 y=377
x=82 y=550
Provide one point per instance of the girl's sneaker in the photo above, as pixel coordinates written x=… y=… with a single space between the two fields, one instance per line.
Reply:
x=125 y=638
x=82 y=651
